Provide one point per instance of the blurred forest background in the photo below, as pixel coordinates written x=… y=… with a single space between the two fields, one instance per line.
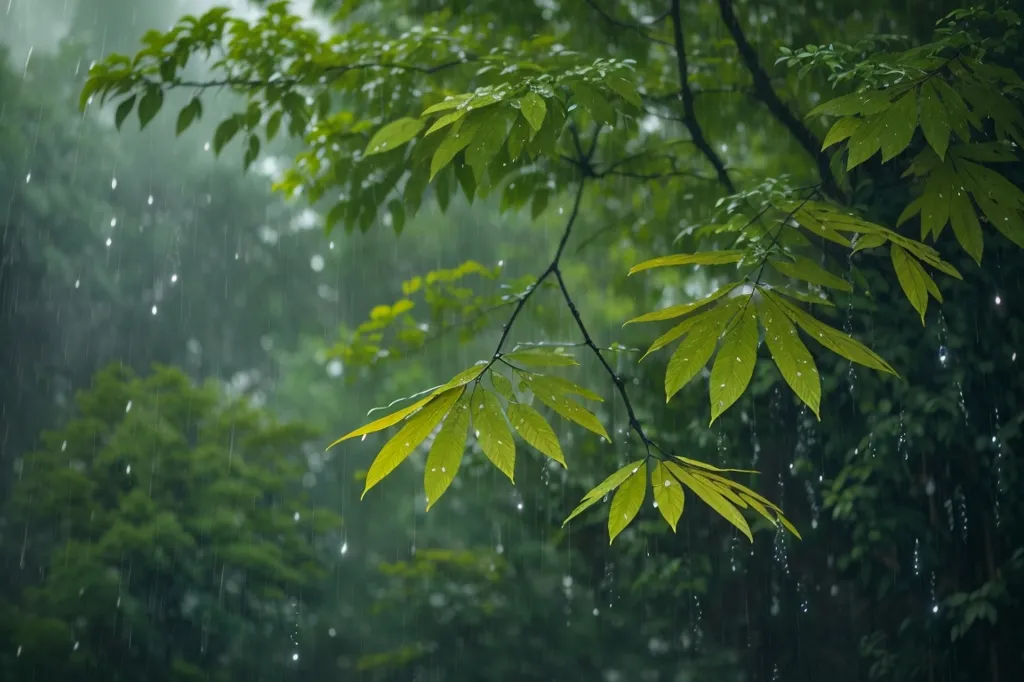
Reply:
x=176 y=351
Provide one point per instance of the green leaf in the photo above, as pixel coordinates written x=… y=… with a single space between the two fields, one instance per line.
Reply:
x=966 y=227
x=227 y=129
x=712 y=498
x=898 y=125
x=533 y=107
x=594 y=102
x=675 y=332
x=456 y=139
x=707 y=258
x=868 y=241
x=912 y=209
x=842 y=129
x=573 y=411
x=912 y=277
x=460 y=379
x=189 y=113
x=502 y=386
x=1005 y=220
x=393 y=135
x=683 y=308
x=696 y=349
x=123 y=109
x=252 y=151
x=446 y=452
x=626 y=503
x=795 y=363
x=807 y=270
x=540 y=357
x=274 y=124
x=710 y=467
x=150 y=104
x=492 y=432
x=558 y=386
x=624 y=89
x=934 y=121
x=669 y=495
x=488 y=139
x=409 y=437
x=958 y=116
x=518 y=137
x=535 y=430
x=865 y=141
x=831 y=338
x=603 y=488
x=734 y=364
x=863 y=103
x=446 y=120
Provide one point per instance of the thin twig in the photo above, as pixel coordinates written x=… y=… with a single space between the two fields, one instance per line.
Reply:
x=639 y=27
x=689 y=113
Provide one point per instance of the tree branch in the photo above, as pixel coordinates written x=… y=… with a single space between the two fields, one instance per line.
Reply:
x=689 y=113
x=639 y=27
x=764 y=91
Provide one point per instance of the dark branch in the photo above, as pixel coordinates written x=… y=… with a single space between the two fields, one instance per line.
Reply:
x=689 y=113
x=639 y=27
x=764 y=91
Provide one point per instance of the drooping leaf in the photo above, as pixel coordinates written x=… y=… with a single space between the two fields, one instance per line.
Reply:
x=841 y=130
x=898 y=125
x=966 y=227
x=502 y=385
x=594 y=102
x=710 y=467
x=682 y=309
x=734 y=364
x=535 y=430
x=712 y=498
x=912 y=278
x=534 y=109
x=795 y=363
x=934 y=120
x=122 y=111
x=409 y=437
x=573 y=411
x=808 y=271
x=865 y=141
x=446 y=453
x=707 y=258
x=677 y=331
x=150 y=104
x=668 y=493
x=624 y=89
x=393 y=135
x=460 y=379
x=603 y=488
x=225 y=132
x=696 y=349
x=188 y=114
x=558 y=386
x=541 y=357
x=492 y=432
x=833 y=339
x=627 y=501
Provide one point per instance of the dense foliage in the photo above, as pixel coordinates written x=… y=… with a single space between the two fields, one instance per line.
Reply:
x=761 y=194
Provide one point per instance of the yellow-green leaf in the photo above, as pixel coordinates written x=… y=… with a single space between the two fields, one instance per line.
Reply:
x=734 y=364
x=603 y=488
x=624 y=89
x=833 y=339
x=842 y=129
x=696 y=349
x=446 y=120
x=502 y=385
x=808 y=271
x=966 y=227
x=935 y=201
x=385 y=422
x=492 y=432
x=573 y=411
x=865 y=141
x=627 y=502
x=668 y=493
x=707 y=258
x=712 y=498
x=795 y=363
x=409 y=437
x=558 y=386
x=710 y=467
x=446 y=452
x=934 y=120
x=533 y=107
x=868 y=241
x=898 y=125
x=535 y=430
x=912 y=278
x=675 y=311
x=393 y=135
x=540 y=357
x=675 y=332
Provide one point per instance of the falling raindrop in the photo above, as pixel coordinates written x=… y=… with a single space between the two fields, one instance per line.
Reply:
x=113 y=183
x=153 y=310
x=28 y=178
x=150 y=200
x=174 y=278
x=128 y=407
x=109 y=241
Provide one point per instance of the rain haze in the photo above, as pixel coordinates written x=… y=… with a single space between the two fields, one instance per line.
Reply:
x=451 y=341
